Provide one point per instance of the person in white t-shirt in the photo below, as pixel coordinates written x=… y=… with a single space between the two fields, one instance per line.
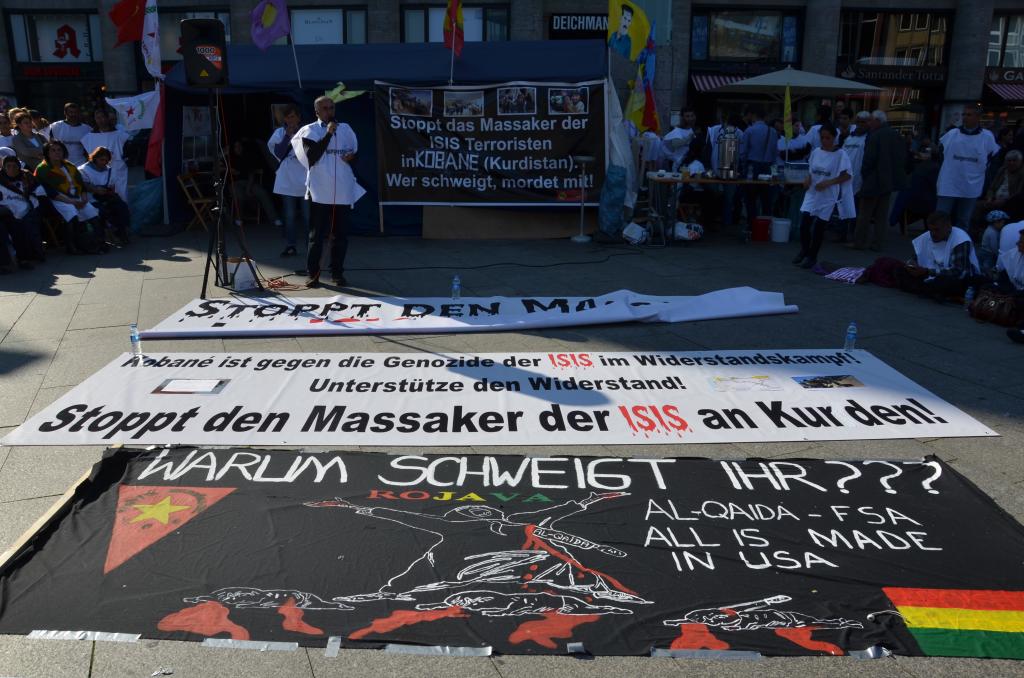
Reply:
x=326 y=148
x=290 y=178
x=109 y=137
x=677 y=141
x=829 y=172
x=965 y=155
x=70 y=131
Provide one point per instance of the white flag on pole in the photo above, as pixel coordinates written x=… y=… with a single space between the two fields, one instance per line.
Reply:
x=151 y=40
x=136 y=112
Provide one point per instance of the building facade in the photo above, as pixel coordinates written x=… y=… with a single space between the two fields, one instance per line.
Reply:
x=928 y=56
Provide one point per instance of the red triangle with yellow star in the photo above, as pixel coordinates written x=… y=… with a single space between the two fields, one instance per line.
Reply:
x=147 y=514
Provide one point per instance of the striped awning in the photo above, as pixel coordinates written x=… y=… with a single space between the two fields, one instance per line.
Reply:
x=1008 y=92
x=706 y=83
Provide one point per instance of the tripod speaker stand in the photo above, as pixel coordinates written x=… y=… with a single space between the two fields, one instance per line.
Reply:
x=204 y=49
x=582 y=161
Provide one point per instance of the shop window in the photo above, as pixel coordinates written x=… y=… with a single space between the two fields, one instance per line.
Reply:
x=729 y=36
x=1014 y=55
x=327 y=26
x=995 y=41
x=56 y=38
x=170 y=30
x=426 y=24
x=882 y=39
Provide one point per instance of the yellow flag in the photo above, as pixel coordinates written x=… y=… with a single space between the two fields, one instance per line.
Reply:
x=787 y=116
x=628 y=28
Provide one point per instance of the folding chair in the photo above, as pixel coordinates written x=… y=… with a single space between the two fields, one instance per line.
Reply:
x=201 y=205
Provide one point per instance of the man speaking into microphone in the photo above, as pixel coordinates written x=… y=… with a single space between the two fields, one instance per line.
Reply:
x=326 y=149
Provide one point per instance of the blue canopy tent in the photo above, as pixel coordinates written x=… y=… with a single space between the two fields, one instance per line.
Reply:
x=252 y=71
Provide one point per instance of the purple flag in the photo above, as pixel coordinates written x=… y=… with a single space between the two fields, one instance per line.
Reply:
x=269 y=22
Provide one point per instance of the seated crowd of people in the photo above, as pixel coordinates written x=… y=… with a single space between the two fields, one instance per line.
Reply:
x=68 y=174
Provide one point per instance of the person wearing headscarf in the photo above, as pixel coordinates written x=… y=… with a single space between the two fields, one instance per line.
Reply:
x=988 y=253
x=19 y=216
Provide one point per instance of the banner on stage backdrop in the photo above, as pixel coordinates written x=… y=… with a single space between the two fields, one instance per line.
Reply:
x=513 y=143
x=432 y=399
x=291 y=316
x=527 y=555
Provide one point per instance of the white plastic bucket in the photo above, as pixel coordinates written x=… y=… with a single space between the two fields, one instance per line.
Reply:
x=780 y=230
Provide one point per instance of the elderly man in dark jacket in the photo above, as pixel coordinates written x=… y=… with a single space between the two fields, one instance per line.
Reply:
x=882 y=173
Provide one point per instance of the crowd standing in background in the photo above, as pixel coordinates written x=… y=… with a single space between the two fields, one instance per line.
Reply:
x=865 y=177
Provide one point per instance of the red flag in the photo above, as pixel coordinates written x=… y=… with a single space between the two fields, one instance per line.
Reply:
x=127 y=16
x=147 y=514
x=453 y=33
x=154 y=152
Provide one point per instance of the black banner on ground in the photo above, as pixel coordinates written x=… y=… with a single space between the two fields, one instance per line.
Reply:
x=526 y=555
x=515 y=143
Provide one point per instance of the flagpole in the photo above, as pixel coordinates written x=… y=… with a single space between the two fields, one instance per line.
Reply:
x=451 y=70
x=296 y=58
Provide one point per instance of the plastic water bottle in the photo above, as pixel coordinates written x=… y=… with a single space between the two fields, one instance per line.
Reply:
x=851 y=337
x=456 y=287
x=968 y=299
x=133 y=331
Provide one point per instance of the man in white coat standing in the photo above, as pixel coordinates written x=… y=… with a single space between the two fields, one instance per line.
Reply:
x=326 y=148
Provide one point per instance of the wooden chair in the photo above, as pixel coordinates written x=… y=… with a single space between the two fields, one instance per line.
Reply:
x=249 y=209
x=202 y=205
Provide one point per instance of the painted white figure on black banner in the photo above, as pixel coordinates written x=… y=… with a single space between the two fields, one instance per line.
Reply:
x=537 y=555
x=326 y=148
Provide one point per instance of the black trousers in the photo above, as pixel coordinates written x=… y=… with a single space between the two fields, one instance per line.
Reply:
x=939 y=287
x=812 y=233
x=25 y=234
x=115 y=212
x=327 y=221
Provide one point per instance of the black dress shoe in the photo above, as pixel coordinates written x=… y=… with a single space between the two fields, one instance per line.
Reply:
x=798 y=259
x=289 y=251
x=808 y=263
x=339 y=280
x=313 y=283
x=1015 y=335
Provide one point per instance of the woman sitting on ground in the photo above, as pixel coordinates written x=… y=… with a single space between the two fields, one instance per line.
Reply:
x=19 y=218
x=66 y=191
x=101 y=184
x=828 y=177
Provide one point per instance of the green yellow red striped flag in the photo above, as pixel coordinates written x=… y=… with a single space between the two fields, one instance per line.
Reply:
x=963 y=623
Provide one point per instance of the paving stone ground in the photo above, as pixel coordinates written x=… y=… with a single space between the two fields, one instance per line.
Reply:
x=63 y=321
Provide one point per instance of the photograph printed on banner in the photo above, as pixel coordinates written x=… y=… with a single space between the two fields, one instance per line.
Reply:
x=418 y=102
x=463 y=104
x=829 y=381
x=759 y=382
x=517 y=101
x=569 y=101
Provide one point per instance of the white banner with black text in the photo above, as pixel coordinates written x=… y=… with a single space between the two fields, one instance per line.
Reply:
x=431 y=399
x=292 y=316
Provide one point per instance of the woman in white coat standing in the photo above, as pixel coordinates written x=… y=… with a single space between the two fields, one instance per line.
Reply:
x=828 y=178
x=290 y=179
